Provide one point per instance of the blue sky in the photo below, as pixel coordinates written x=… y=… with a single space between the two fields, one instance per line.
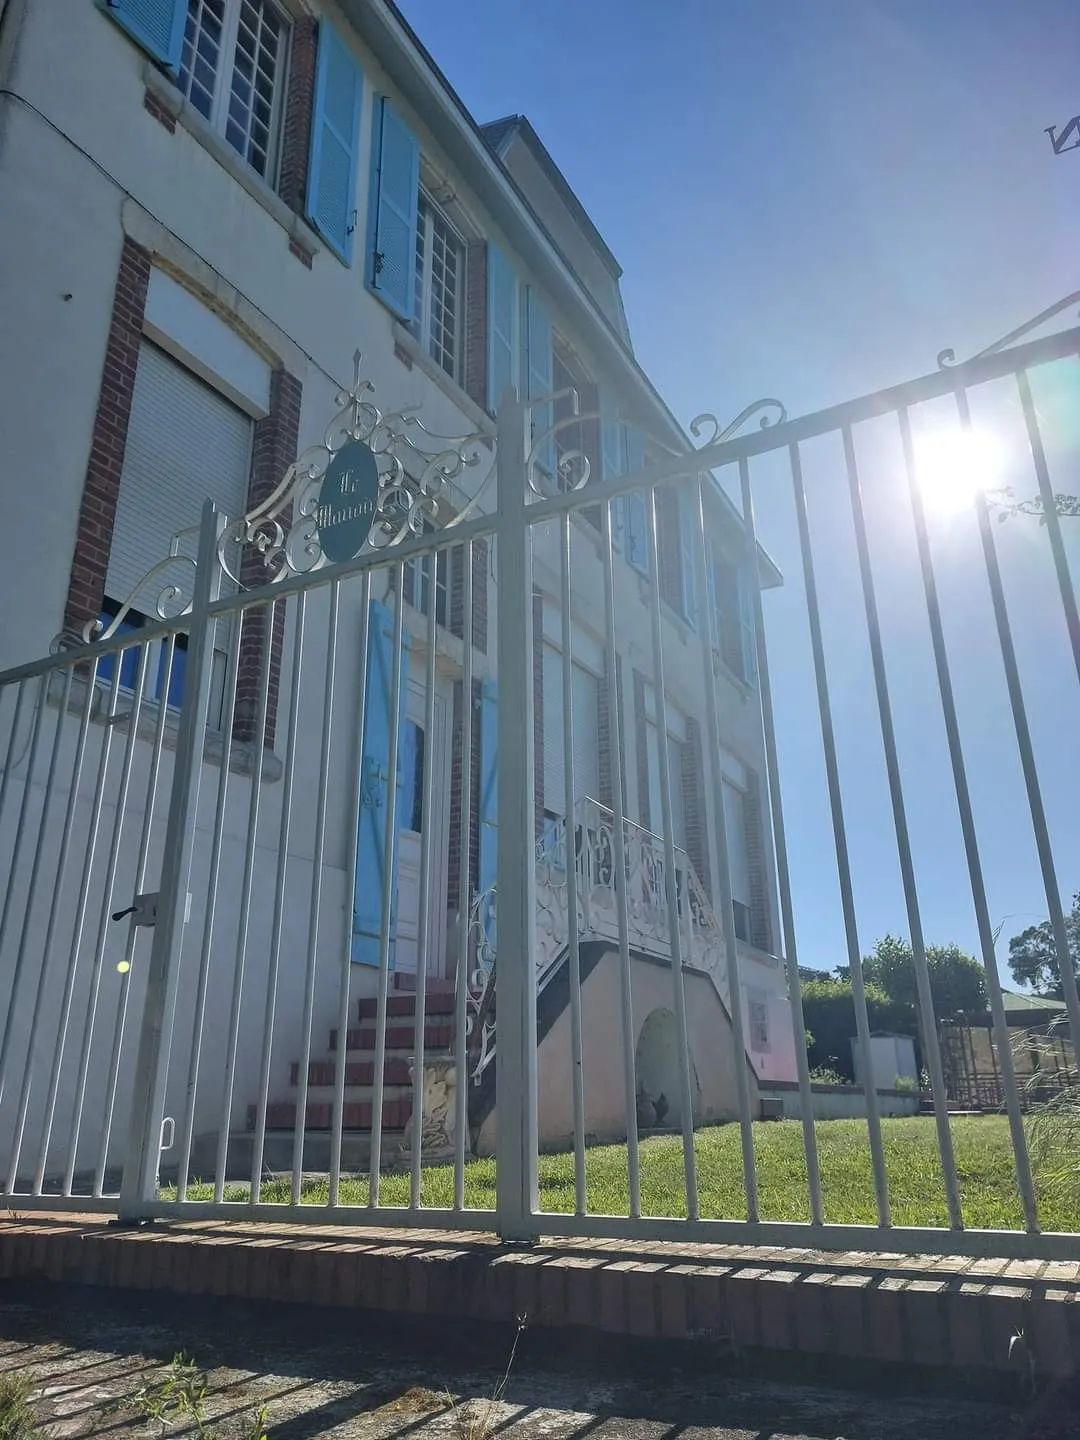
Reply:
x=810 y=199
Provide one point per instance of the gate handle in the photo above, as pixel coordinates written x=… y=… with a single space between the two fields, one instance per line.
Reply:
x=122 y=914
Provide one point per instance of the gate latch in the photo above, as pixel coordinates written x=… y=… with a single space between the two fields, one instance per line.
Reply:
x=143 y=911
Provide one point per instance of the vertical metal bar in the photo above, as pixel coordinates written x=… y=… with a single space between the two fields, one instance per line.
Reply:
x=80 y=925
x=108 y=891
x=671 y=886
x=315 y=903
x=843 y=866
x=618 y=805
x=461 y=978
x=58 y=889
x=31 y=892
x=967 y=826
x=138 y=889
x=718 y=845
x=931 y=1047
x=515 y=1054
x=569 y=798
x=389 y=880
x=13 y=889
x=277 y=927
x=341 y=1055
x=423 y=938
x=150 y=1078
x=210 y=914
x=1050 y=515
x=11 y=760
x=1023 y=741
x=783 y=872
x=244 y=926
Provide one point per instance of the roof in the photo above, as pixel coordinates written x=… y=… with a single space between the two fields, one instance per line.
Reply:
x=1015 y=1000
x=498 y=132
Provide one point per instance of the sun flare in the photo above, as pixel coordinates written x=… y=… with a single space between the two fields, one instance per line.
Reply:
x=954 y=465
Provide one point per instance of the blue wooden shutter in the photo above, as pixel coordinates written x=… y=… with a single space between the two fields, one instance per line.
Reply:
x=335 y=128
x=688 y=522
x=489 y=785
x=637 y=532
x=711 y=597
x=157 y=25
x=375 y=786
x=503 y=328
x=540 y=374
x=747 y=627
x=395 y=195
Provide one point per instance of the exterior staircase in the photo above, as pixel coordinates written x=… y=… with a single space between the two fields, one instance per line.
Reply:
x=360 y=1042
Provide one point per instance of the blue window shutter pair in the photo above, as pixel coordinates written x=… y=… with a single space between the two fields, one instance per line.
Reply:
x=371 y=855
x=504 y=343
x=335 y=130
x=637 y=529
x=747 y=625
x=688 y=555
x=395 y=193
x=157 y=25
x=539 y=371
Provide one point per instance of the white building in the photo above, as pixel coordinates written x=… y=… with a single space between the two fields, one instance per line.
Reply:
x=206 y=206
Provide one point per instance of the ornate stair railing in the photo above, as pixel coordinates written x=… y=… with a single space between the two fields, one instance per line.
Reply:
x=648 y=928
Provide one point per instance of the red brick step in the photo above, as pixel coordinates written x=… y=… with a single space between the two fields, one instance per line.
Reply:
x=398 y=1037
x=356 y=1115
x=396 y=1005
x=357 y=1072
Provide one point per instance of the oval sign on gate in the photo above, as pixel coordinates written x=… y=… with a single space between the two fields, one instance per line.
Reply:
x=348 y=500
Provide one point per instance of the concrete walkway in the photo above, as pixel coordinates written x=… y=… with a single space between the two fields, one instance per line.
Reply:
x=88 y=1354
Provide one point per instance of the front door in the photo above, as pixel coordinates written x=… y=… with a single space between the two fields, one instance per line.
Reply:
x=419 y=751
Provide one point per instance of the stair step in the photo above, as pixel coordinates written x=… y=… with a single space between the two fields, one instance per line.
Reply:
x=398 y=1037
x=405 y=983
x=317 y=1157
x=357 y=1072
x=396 y=1005
x=319 y=1114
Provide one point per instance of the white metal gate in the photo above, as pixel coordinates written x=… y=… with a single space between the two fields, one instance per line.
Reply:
x=187 y=960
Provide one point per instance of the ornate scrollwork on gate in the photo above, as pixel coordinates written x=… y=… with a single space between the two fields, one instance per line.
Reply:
x=420 y=484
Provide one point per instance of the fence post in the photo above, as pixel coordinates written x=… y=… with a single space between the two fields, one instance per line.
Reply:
x=515 y=1047
x=138 y=1189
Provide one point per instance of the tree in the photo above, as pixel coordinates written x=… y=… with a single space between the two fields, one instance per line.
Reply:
x=957 y=982
x=1033 y=957
x=829 y=1012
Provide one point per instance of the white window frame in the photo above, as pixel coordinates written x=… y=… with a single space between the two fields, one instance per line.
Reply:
x=428 y=212
x=223 y=81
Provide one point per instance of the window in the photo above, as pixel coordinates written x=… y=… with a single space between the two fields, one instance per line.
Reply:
x=732 y=607
x=440 y=287
x=757 y=1010
x=412 y=780
x=585 y=707
x=232 y=69
x=417 y=587
x=735 y=824
x=183 y=437
x=568 y=374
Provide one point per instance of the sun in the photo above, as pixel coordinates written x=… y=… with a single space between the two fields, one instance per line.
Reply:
x=952 y=466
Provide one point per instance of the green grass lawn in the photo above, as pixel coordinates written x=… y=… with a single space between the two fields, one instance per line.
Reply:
x=983 y=1160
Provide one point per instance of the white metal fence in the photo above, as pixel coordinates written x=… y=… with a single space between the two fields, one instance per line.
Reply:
x=179 y=1060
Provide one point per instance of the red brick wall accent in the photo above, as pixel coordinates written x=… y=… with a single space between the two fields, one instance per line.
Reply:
x=604 y=742
x=476 y=322
x=296 y=132
x=97 y=512
x=153 y=106
x=693 y=788
x=538 y=710
x=276 y=438
x=641 y=751
x=480 y=596
x=760 y=929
